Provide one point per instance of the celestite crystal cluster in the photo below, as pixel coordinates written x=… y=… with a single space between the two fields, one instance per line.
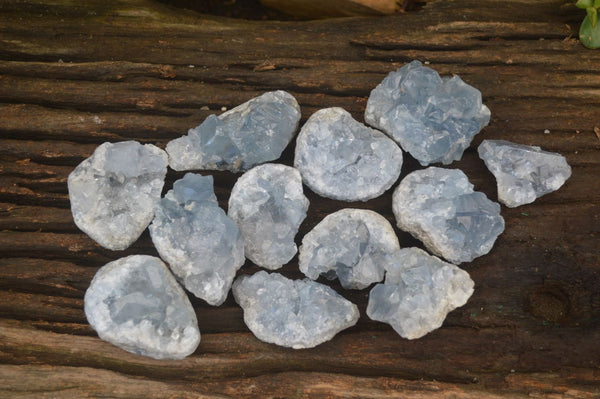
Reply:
x=523 y=172
x=202 y=245
x=351 y=245
x=136 y=302
x=432 y=118
x=247 y=135
x=268 y=204
x=293 y=313
x=343 y=159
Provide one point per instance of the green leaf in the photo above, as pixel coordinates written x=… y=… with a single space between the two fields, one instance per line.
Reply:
x=588 y=34
x=584 y=3
x=596 y=4
x=592 y=14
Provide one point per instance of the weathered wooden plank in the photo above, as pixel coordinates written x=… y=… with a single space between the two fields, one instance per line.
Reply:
x=73 y=75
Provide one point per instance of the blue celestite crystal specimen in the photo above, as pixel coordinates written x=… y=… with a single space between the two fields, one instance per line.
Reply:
x=203 y=246
x=523 y=173
x=439 y=207
x=252 y=133
x=432 y=118
x=268 y=205
x=419 y=291
x=136 y=304
x=113 y=192
x=350 y=244
x=343 y=159
x=293 y=313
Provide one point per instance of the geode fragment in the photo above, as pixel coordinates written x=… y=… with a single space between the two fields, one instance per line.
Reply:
x=201 y=244
x=350 y=244
x=343 y=159
x=432 y=118
x=136 y=304
x=419 y=291
x=292 y=313
x=113 y=192
x=268 y=205
x=439 y=207
x=523 y=173
x=252 y=133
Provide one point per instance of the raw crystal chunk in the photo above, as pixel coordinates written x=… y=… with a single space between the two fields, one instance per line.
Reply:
x=350 y=244
x=523 y=172
x=136 y=304
x=113 y=192
x=268 y=205
x=293 y=313
x=249 y=134
x=432 y=118
x=343 y=159
x=203 y=246
x=419 y=291
x=439 y=207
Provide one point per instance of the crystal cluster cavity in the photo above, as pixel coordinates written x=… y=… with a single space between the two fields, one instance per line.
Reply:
x=419 y=291
x=203 y=246
x=343 y=159
x=113 y=192
x=293 y=313
x=432 y=118
x=136 y=304
x=268 y=205
x=523 y=173
x=250 y=134
x=352 y=245
x=440 y=207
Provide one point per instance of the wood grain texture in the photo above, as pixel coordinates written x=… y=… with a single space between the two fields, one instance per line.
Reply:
x=76 y=74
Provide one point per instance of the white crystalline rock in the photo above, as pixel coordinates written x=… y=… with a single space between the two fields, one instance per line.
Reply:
x=136 y=304
x=350 y=244
x=113 y=192
x=268 y=205
x=523 y=173
x=439 y=207
x=202 y=245
x=252 y=133
x=292 y=313
x=343 y=159
x=432 y=118
x=419 y=291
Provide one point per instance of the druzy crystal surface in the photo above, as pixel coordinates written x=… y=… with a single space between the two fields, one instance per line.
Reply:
x=268 y=205
x=432 y=118
x=201 y=244
x=523 y=173
x=343 y=159
x=419 y=291
x=439 y=207
x=292 y=313
x=249 y=134
x=136 y=304
x=350 y=244
x=113 y=192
